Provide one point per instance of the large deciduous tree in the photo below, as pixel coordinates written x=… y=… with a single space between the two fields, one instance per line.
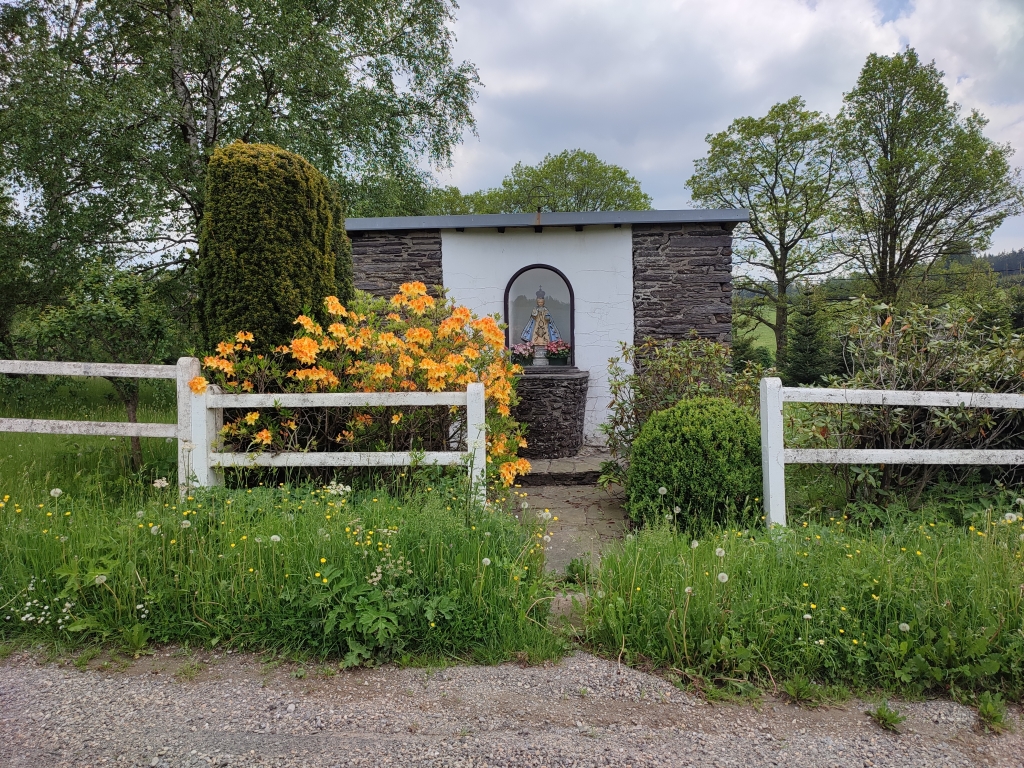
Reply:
x=920 y=179
x=572 y=180
x=118 y=104
x=782 y=169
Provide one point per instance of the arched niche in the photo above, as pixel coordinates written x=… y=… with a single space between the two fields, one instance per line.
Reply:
x=521 y=300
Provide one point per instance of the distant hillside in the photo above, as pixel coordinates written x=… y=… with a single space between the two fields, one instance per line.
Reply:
x=1007 y=264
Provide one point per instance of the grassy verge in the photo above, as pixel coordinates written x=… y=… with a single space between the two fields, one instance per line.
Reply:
x=922 y=607
x=363 y=577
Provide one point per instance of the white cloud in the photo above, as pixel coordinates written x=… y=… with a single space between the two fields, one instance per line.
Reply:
x=642 y=82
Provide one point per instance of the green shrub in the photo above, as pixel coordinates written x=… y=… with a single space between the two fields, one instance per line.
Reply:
x=657 y=374
x=272 y=244
x=705 y=453
x=811 y=350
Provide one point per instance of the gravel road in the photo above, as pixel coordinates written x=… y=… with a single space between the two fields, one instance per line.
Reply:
x=178 y=709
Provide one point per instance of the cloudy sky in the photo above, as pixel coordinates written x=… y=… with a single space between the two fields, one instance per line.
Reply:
x=642 y=82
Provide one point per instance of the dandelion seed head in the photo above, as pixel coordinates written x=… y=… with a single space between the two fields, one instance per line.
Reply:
x=100 y=579
x=723 y=577
x=694 y=544
x=677 y=510
x=139 y=515
x=689 y=590
x=486 y=561
x=156 y=529
x=904 y=627
x=186 y=523
x=807 y=617
x=55 y=492
x=275 y=538
x=719 y=552
x=1010 y=517
x=663 y=490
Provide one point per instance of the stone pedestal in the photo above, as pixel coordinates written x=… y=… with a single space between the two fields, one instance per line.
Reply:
x=552 y=403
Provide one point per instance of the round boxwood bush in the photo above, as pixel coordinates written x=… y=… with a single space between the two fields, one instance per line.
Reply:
x=706 y=453
x=272 y=245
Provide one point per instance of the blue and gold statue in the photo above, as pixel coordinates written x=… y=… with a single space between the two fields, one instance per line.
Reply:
x=540 y=330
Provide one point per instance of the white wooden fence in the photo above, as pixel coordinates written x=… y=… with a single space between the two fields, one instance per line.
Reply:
x=775 y=456
x=200 y=418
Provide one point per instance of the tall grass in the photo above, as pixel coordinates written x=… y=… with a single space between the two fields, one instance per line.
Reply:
x=924 y=606
x=364 y=576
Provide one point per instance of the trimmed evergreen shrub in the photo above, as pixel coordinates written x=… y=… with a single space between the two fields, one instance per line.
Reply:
x=272 y=245
x=705 y=452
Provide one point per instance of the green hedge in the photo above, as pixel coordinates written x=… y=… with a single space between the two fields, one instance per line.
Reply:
x=704 y=452
x=272 y=246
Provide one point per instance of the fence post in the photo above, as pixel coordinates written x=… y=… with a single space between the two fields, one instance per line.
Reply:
x=773 y=460
x=206 y=424
x=187 y=369
x=476 y=438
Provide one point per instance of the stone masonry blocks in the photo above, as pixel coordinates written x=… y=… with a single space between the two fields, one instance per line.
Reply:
x=382 y=261
x=552 y=405
x=682 y=281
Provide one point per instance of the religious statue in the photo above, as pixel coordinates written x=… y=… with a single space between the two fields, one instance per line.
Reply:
x=540 y=330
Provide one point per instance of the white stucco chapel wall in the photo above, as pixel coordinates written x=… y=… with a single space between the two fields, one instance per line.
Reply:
x=477 y=265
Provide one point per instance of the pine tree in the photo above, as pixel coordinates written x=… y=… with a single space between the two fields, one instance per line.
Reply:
x=810 y=350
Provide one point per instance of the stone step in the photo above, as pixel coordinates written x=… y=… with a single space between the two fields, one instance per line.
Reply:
x=574 y=470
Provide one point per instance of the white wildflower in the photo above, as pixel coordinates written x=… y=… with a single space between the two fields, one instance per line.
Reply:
x=186 y=523
x=546 y=515
x=160 y=482
x=486 y=561
x=807 y=617
x=55 y=492
x=546 y=538
x=663 y=490
x=275 y=538
x=487 y=534
x=694 y=544
x=259 y=539
x=1020 y=502
x=156 y=528
x=100 y=579
x=689 y=590
x=139 y=515
x=719 y=552
x=677 y=510
x=904 y=627
x=524 y=505
x=1010 y=517
x=723 y=577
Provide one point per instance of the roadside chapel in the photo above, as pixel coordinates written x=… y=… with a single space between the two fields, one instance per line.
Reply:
x=570 y=286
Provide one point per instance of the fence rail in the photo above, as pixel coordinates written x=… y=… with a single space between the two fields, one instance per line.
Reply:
x=200 y=418
x=775 y=456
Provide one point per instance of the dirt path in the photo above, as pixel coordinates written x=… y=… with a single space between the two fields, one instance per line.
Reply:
x=174 y=709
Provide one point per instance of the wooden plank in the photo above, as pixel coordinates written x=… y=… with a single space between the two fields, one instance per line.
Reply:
x=901 y=456
x=891 y=397
x=773 y=467
x=338 y=400
x=111 y=428
x=339 y=459
x=40 y=367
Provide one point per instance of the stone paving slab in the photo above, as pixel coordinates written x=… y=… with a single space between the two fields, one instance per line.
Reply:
x=589 y=518
x=583 y=469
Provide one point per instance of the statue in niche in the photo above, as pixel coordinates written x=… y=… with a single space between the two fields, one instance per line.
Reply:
x=540 y=330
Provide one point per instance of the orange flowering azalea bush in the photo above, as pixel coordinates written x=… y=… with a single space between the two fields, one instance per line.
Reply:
x=410 y=343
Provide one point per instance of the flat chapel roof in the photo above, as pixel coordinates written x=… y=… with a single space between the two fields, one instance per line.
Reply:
x=557 y=219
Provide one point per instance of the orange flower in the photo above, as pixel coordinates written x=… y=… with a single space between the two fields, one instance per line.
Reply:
x=409 y=385
x=225 y=348
x=448 y=327
x=309 y=325
x=247 y=385
x=418 y=335
x=388 y=339
x=264 y=437
x=421 y=304
x=338 y=330
x=252 y=417
x=382 y=371
x=413 y=289
x=334 y=306
x=489 y=329
x=364 y=419
x=471 y=352
x=243 y=336
x=396 y=418
x=398 y=300
x=197 y=385
x=354 y=343
x=304 y=350
x=220 y=364
x=320 y=376
x=393 y=316
x=462 y=314
x=282 y=348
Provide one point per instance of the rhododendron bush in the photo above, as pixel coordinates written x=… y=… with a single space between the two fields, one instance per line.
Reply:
x=409 y=343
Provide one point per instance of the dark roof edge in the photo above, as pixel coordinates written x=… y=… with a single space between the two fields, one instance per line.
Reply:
x=560 y=219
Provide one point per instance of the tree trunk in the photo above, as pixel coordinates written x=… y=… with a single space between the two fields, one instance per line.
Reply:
x=781 y=329
x=131 y=404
